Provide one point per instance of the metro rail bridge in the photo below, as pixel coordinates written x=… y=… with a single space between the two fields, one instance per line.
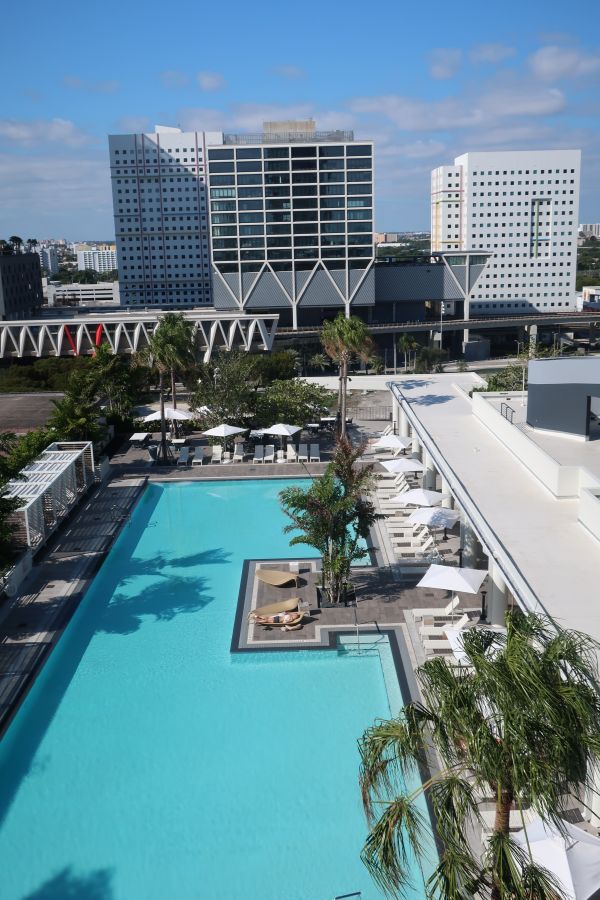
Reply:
x=128 y=332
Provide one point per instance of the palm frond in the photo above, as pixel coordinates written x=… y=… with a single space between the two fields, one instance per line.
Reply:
x=400 y=835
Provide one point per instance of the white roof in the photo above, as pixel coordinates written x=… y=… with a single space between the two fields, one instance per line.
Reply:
x=39 y=475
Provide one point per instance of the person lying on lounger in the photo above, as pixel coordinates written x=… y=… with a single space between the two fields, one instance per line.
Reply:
x=280 y=619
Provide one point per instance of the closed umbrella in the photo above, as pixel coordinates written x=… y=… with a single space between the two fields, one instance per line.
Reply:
x=391 y=442
x=170 y=413
x=572 y=857
x=418 y=497
x=434 y=517
x=453 y=578
x=403 y=465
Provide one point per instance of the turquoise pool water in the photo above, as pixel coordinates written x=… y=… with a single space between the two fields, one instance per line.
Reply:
x=149 y=763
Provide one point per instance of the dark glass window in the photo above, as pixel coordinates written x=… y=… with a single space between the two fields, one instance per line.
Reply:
x=249 y=192
x=249 y=179
x=222 y=255
x=359 y=188
x=309 y=216
x=250 y=267
x=252 y=242
x=279 y=254
x=254 y=166
x=360 y=226
x=333 y=252
x=358 y=164
x=331 y=164
x=298 y=164
x=331 y=151
x=306 y=241
x=358 y=202
x=277 y=192
x=304 y=190
x=360 y=251
x=333 y=240
x=332 y=215
x=304 y=177
x=223 y=231
x=279 y=217
x=224 y=243
x=328 y=227
x=223 y=218
x=251 y=229
x=358 y=150
x=306 y=228
x=359 y=214
x=217 y=167
x=356 y=239
x=359 y=176
x=280 y=241
x=333 y=203
x=259 y=253
x=305 y=202
x=331 y=177
x=278 y=229
x=250 y=204
x=223 y=206
x=276 y=165
x=281 y=178
x=332 y=189
x=248 y=153
x=251 y=217
x=220 y=154
x=303 y=151
x=278 y=204
x=222 y=179
x=276 y=152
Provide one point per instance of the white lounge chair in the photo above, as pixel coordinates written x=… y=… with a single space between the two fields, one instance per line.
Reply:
x=184 y=456
x=238 y=453
x=303 y=453
x=438 y=611
x=292 y=456
x=259 y=454
x=440 y=629
x=217 y=454
x=269 y=453
x=315 y=453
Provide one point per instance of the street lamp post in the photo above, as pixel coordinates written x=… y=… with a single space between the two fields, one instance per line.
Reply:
x=522 y=344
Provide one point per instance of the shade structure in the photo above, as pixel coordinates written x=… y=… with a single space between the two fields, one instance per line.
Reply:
x=282 y=429
x=223 y=431
x=170 y=413
x=418 y=497
x=434 y=517
x=573 y=858
x=403 y=465
x=453 y=578
x=391 y=442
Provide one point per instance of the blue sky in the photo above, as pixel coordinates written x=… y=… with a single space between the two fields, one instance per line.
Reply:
x=426 y=82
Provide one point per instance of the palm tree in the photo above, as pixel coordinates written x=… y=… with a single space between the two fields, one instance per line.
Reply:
x=31 y=244
x=519 y=723
x=164 y=353
x=6 y=247
x=75 y=418
x=406 y=344
x=16 y=242
x=181 y=333
x=342 y=338
x=319 y=362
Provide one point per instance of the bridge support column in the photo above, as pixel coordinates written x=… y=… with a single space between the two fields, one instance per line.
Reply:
x=498 y=595
x=416 y=445
x=472 y=551
x=403 y=426
x=532 y=331
x=430 y=473
x=447 y=502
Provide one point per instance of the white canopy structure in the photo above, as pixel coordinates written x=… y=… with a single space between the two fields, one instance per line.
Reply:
x=434 y=517
x=223 y=431
x=418 y=497
x=174 y=414
x=391 y=442
x=282 y=429
x=453 y=578
x=403 y=465
x=573 y=858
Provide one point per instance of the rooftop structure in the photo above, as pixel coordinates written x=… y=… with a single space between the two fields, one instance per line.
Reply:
x=49 y=488
x=20 y=285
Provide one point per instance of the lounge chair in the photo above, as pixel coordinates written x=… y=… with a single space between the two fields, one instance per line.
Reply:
x=437 y=611
x=200 y=455
x=292 y=625
x=259 y=454
x=238 y=453
x=315 y=453
x=184 y=456
x=440 y=630
x=303 y=453
x=271 y=609
x=292 y=456
x=269 y=453
x=277 y=577
x=217 y=454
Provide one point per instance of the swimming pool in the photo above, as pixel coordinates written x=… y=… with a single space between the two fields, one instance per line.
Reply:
x=149 y=762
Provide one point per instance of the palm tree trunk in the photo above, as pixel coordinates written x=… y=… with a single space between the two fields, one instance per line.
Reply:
x=163 y=427
x=344 y=390
x=502 y=825
x=174 y=400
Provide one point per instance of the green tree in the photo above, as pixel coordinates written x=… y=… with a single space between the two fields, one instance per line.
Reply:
x=8 y=505
x=180 y=332
x=279 y=366
x=226 y=384
x=85 y=276
x=75 y=417
x=20 y=451
x=520 y=723
x=110 y=380
x=32 y=243
x=319 y=361
x=406 y=344
x=294 y=402
x=342 y=339
x=430 y=359
x=16 y=242
x=333 y=515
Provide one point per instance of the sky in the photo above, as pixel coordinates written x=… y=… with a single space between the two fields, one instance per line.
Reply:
x=425 y=83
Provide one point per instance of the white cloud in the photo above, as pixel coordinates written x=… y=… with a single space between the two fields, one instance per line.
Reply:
x=493 y=53
x=444 y=62
x=553 y=63
x=38 y=131
x=200 y=118
x=133 y=125
x=172 y=78
x=210 y=81
x=94 y=87
x=290 y=72
x=250 y=116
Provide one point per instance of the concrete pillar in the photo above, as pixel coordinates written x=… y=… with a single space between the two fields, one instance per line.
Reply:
x=403 y=426
x=395 y=414
x=430 y=473
x=416 y=445
x=533 y=333
x=448 y=503
x=472 y=551
x=497 y=595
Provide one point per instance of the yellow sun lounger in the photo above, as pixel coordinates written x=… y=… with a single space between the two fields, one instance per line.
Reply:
x=272 y=609
x=276 y=577
x=292 y=625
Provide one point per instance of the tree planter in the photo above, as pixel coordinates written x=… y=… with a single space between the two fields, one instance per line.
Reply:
x=348 y=599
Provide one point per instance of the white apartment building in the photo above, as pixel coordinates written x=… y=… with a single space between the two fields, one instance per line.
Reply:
x=48 y=259
x=99 y=260
x=591 y=230
x=520 y=206
x=161 y=218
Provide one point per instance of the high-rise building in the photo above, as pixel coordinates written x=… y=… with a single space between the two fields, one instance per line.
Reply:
x=98 y=260
x=522 y=207
x=290 y=213
x=20 y=285
x=48 y=259
x=592 y=230
x=161 y=217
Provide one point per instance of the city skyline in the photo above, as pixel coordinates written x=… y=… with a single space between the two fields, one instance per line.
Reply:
x=422 y=97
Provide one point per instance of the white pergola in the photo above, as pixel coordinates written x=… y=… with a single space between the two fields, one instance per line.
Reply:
x=49 y=488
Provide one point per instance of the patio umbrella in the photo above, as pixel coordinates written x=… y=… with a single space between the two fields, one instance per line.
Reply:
x=403 y=465
x=223 y=431
x=572 y=857
x=434 y=517
x=170 y=413
x=391 y=442
x=418 y=497
x=282 y=430
x=453 y=578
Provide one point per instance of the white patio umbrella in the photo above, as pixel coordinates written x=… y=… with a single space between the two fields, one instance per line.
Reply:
x=453 y=578
x=403 y=465
x=223 y=431
x=170 y=413
x=573 y=858
x=434 y=517
x=418 y=497
x=282 y=429
x=392 y=442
